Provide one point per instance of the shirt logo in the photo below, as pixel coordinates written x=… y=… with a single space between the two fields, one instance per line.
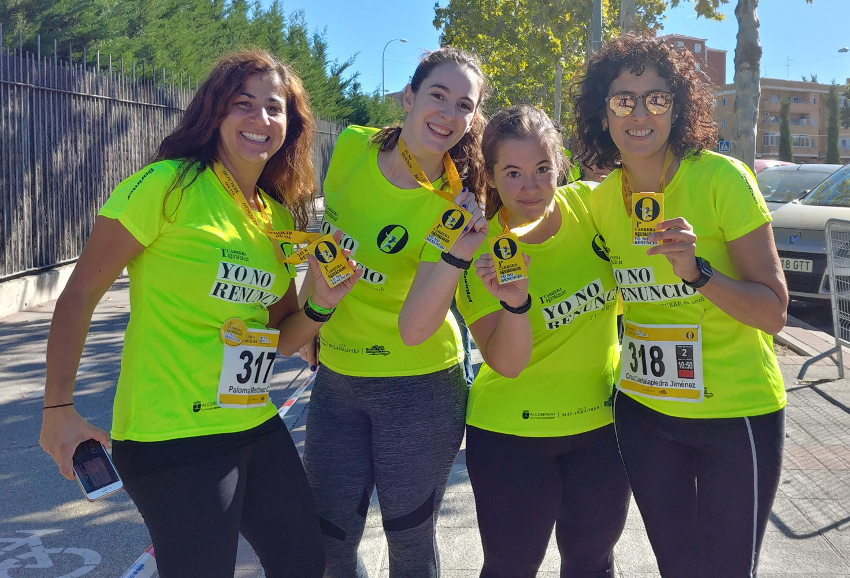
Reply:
x=600 y=248
x=392 y=239
x=377 y=350
x=647 y=209
x=632 y=277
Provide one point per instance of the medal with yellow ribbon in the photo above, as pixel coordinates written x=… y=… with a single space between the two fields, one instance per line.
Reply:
x=510 y=266
x=645 y=209
x=332 y=262
x=449 y=225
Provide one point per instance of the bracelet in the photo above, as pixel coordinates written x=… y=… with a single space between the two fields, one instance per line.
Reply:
x=316 y=308
x=455 y=261
x=518 y=310
x=59 y=405
x=314 y=315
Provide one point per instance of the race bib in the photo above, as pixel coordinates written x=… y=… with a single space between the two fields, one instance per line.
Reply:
x=448 y=227
x=246 y=369
x=662 y=362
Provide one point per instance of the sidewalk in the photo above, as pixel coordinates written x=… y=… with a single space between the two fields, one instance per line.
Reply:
x=808 y=534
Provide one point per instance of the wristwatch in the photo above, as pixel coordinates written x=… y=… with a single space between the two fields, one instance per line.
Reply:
x=705 y=273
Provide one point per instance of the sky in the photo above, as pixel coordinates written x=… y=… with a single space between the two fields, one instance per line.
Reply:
x=797 y=38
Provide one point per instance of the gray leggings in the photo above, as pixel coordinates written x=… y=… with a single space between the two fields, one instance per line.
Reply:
x=399 y=434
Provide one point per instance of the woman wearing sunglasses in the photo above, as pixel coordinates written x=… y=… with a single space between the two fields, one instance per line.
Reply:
x=699 y=408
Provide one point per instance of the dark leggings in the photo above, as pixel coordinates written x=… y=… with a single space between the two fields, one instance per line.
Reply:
x=704 y=487
x=524 y=486
x=197 y=494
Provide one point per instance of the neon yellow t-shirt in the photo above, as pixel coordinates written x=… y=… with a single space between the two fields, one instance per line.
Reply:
x=719 y=197
x=385 y=228
x=566 y=388
x=208 y=265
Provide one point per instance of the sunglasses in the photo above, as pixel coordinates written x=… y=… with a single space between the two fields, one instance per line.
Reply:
x=656 y=102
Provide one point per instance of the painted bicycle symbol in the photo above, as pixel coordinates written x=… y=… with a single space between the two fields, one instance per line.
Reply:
x=28 y=553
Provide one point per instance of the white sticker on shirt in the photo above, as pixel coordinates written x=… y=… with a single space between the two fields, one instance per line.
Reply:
x=243 y=284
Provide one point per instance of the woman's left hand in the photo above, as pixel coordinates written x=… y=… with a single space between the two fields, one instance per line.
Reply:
x=514 y=294
x=678 y=243
x=323 y=294
x=475 y=231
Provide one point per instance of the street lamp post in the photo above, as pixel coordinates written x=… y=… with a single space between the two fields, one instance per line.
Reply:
x=383 y=54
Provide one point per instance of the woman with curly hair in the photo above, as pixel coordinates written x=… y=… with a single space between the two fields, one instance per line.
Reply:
x=699 y=411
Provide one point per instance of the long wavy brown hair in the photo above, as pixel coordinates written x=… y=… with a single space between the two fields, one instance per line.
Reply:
x=519 y=122
x=466 y=154
x=694 y=129
x=288 y=176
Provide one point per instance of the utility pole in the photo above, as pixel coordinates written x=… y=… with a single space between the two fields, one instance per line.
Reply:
x=597 y=26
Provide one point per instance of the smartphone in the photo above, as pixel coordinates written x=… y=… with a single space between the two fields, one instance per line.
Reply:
x=94 y=471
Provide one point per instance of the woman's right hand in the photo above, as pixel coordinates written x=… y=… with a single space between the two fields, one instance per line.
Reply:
x=514 y=294
x=62 y=430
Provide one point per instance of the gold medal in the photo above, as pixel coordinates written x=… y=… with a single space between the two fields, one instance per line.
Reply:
x=234 y=331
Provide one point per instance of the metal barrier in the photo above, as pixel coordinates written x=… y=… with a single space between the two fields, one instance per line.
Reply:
x=838 y=264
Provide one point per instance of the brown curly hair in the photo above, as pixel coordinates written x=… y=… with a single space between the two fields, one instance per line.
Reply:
x=694 y=128
x=519 y=122
x=288 y=176
x=466 y=154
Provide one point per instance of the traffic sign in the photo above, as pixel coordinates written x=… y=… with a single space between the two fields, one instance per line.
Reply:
x=723 y=146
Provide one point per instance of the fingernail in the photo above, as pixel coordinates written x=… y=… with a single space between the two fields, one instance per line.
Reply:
x=464 y=190
x=464 y=229
x=463 y=206
x=312 y=368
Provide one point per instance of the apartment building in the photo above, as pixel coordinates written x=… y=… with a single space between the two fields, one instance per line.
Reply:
x=710 y=60
x=807 y=115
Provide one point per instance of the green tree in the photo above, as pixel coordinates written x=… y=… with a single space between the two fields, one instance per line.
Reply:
x=833 y=156
x=785 y=131
x=845 y=108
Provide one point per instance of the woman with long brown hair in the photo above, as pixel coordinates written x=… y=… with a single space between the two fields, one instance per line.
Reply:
x=212 y=301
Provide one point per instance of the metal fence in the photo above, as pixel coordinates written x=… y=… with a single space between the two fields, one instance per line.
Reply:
x=68 y=134
x=838 y=265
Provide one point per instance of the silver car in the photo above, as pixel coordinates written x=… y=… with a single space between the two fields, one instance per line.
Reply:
x=799 y=232
x=783 y=184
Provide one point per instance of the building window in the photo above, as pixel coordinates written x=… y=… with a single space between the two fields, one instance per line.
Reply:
x=680 y=44
x=796 y=99
x=814 y=100
x=723 y=123
x=697 y=47
x=770 y=139
x=766 y=113
x=814 y=142
x=774 y=98
x=814 y=121
x=800 y=121
x=697 y=65
x=800 y=140
x=844 y=143
x=724 y=101
x=772 y=119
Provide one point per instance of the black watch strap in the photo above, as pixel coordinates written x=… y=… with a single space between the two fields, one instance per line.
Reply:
x=455 y=261
x=705 y=273
x=518 y=310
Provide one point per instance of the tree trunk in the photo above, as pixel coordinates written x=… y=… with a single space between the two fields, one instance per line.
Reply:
x=747 y=89
x=627 y=15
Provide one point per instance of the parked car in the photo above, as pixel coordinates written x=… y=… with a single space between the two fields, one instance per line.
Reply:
x=799 y=232
x=762 y=164
x=785 y=183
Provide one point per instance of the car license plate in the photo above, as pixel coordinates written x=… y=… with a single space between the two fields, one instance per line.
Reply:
x=799 y=265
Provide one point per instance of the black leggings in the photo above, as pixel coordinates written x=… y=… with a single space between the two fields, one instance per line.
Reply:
x=197 y=494
x=704 y=487
x=524 y=486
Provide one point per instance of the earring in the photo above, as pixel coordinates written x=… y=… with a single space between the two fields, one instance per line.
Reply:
x=604 y=127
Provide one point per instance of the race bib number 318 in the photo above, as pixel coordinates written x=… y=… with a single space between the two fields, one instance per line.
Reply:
x=662 y=362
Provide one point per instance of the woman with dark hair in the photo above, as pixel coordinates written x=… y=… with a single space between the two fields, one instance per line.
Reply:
x=383 y=414
x=212 y=301
x=540 y=445
x=699 y=410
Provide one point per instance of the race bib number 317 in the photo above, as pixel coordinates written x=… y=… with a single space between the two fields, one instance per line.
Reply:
x=662 y=362
x=247 y=369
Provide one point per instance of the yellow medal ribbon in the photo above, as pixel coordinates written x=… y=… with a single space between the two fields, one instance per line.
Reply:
x=422 y=178
x=505 y=215
x=627 y=188
x=294 y=237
